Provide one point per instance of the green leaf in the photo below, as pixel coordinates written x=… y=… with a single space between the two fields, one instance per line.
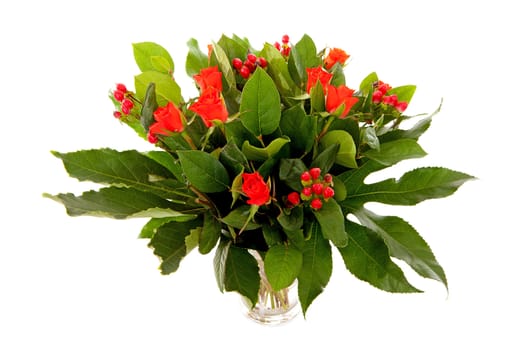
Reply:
x=282 y=265
x=236 y=270
x=404 y=243
x=299 y=127
x=317 y=98
x=332 y=221
x=413 y=187
x=165 y=87
x=233 y=47
x=211 y=231
x=292 y=220
x=167 y=160
x=325 y=160
x=118 y=203
x=262 y=154
x=347 y=150
x=150 y=228
x=366 y=256
x=317 y=267
x=238 y=134
x=149 y=106
x=260 y=104
x=338 y=77
x=404 y=93
x=367 y=85
x=220 y=58
x=161 y=64
x=370 y=138
x=204 y=171
x=147 y=52
x=195 y=59
x=272 y=235
x=122 y=168
x=278 y=70
x=290 y=171
x=241 y=218
x=169 y=244
x=303 y=55
x=391 y=152
x=233 y=158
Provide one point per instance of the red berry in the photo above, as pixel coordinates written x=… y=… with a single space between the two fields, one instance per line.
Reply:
x=383 y=87
x=317 y=188
x=285 y=39
x=117 y=114
x=128 y=103
x=390 y=100
x=237 y=63
x=401 y=106
x=122 y=88
x=307 y=191
x=315 y=172
x=244 y=72
x=262 y=62
x=251 y=57
x=377 y=96
x=251 y=66
x=277 y=46
x=328 y=179
x=286 y=51
x=294 y=198
x=328 y=192
x=305 y=176
x=316 y=204
x=118 y=95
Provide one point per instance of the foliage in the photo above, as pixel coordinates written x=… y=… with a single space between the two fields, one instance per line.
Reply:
x=271 y=156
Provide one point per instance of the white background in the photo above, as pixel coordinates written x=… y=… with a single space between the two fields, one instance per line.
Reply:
x=88 y=283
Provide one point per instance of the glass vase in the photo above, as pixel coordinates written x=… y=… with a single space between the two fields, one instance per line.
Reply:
x=272 y=307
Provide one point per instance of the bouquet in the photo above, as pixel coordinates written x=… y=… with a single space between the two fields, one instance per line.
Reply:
x=263 y=167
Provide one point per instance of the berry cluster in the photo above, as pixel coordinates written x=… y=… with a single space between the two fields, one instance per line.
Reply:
x=283 y=47
x=121 y=94
x=249 y=65
x=315 y=189
x=379 y=95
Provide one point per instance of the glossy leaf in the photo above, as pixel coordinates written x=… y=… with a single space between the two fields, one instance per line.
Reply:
x=209 y=236
x=332 y=221
x=124 y=168
x=233 y=158
x=204 y=171
x=118 y=203
x=236 y=270
x=346 y=154
x=149 y=54
x=195 y=59
x=169 y=244
x=282 y=265
x=391 y=152
x=317 y=267
x=367 y=85
x=413 y=187
x=326 y=159
x=149 y=106
x=404 y=243
x=290 y=171
x=278 y=70
x=260 y=110
x=241 y=218
x=300 y=128
x=302 y=55
x=150 y=228
x=366 y=256
x=404 y=93
x=166 y=88
x=262 y=154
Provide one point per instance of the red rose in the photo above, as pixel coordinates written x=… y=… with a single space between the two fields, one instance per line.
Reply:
x=335 y=55
x=209 y=78
x=255 y=189
x=315 y=74
x=336 y=96
x=210 y=106
x=168 y=119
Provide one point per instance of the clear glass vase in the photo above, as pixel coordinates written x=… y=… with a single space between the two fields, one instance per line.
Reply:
x=272 y=307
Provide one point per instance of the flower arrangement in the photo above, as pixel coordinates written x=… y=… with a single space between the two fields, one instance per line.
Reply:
x=264 y=166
